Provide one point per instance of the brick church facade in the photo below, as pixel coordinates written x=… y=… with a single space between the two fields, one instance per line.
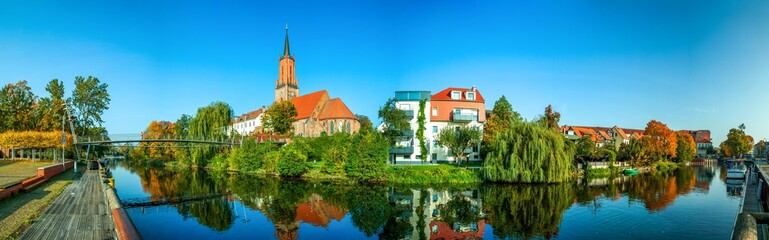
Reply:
x=317 y=112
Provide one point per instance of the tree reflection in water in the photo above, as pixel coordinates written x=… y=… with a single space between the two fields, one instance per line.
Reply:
x=424 y=212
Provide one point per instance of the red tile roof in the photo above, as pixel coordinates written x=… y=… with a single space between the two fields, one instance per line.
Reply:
x=335 y=108
x=307 y=103
x=445 y=95
x=250 y=115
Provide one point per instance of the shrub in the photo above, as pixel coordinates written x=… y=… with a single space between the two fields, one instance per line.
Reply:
x=270 y=162
x=293 y=163
x=368 y=157
x=334 y=160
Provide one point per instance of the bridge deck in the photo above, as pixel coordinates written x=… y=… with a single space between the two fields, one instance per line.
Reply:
x=80 y=212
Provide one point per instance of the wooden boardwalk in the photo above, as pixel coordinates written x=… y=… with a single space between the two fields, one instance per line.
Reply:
x=750 y=202
x=80 y=212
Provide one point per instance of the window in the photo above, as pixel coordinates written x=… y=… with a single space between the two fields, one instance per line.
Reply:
x=435 y=111
x=419 y=157
x=435 y=144
x=404 y=107
x=435 y=129
x=477 y=157
x=470 y=96
x=456 y=95
x=475 y=148
x=331 y=128
x=457 y=111
x=435 y=156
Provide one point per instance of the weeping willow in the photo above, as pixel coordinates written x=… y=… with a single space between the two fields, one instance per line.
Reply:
x=528 y=152
x=210 y=123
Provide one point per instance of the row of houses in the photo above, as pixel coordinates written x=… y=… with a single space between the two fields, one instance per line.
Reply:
x=616 y=136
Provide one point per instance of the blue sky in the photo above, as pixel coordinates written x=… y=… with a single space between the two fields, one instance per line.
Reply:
x=690 y=64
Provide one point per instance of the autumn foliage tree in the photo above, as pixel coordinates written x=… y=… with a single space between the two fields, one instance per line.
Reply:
x=159 y=150
x=659 y=141
x=686 y=148
x=737 y=142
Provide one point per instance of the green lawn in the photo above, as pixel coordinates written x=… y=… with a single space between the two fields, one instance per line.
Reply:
x=424 y=174
x=20 y=210
x=15 y=171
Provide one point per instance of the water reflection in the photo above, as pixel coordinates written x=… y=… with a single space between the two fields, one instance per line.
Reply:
x=402 y=212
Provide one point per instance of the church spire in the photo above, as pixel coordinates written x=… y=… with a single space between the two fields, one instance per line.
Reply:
x=286 y=49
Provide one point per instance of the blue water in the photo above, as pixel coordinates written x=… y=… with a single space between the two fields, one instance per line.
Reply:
x=688 y=203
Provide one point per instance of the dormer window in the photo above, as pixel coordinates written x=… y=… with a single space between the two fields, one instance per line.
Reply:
x=470 y=96
x=456 y=95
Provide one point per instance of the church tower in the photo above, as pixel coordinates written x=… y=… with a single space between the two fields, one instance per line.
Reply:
x=286 y=87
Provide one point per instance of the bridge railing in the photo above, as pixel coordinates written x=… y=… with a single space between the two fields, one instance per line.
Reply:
x=139 y=137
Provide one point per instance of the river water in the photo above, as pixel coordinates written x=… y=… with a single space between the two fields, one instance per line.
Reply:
x=688 y=203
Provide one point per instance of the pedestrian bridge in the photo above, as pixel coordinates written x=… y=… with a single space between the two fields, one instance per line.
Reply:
x=136 y=138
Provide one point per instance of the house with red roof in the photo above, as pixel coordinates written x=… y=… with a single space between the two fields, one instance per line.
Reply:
x=615 y=136
x=450 y=107
x=248 y=123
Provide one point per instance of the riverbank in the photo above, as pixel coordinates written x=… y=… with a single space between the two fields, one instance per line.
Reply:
x=18 y=212
x=616 y=171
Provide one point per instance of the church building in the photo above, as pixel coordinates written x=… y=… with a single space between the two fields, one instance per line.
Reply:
x=317 y=112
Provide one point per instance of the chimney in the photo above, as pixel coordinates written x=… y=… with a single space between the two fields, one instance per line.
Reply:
x=473 y=89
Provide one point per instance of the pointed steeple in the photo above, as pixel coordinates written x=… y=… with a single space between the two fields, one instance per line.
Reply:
x=286 y=49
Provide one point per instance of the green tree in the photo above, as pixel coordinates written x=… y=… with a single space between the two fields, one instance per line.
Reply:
x=737 y=142
x=585 y=149
x=368 y=157
x=89 y=100
x=459 y=138
x=210 y=123
x=280 y=117
x=56 y=90
x=686 y=149
x=17 y=103
x=394 y=121
x=500 y=119
x=421 y=129
x=634 y=152
x=528 y=152
x=293 y=163
x=365 y=123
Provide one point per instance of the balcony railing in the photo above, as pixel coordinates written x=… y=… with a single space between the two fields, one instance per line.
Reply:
x=402 y=150
x=409 y=113
x=458 y=117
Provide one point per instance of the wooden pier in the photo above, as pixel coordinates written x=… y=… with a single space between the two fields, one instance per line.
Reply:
x=80 y=212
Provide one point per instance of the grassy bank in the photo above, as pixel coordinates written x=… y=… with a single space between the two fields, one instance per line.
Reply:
x=16 y=171
x=665 y=166
x=441 y=173
x=19 y=211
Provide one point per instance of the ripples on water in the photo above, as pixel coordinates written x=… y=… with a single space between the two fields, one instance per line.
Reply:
x=690 y=202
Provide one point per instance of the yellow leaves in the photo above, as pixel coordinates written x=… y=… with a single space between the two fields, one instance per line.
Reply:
x=34 y=139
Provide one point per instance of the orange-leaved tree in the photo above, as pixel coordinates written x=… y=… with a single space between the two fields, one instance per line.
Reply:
x=159 y=130
x=659 y=141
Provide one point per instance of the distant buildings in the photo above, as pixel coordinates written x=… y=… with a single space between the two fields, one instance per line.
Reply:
x=616 y=136
x=449 y=107
x=317 y=113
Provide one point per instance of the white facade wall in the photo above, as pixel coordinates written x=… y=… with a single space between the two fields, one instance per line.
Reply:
x=413 y=141
x=247 y=127
x=444 y=154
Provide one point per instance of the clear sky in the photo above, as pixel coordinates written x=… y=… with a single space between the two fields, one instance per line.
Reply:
x=689 y=64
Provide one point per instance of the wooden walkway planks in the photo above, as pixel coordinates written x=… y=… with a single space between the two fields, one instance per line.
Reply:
x=80 y=212
x=750 y=201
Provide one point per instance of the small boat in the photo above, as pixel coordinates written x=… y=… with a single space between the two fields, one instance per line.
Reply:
x=736 y=170
x=630 y=172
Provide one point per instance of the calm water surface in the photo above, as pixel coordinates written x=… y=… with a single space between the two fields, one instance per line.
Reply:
x=689 y=203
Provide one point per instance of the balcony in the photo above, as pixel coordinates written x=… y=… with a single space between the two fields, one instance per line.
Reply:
x=409 y=113
x=458 y=117
x=402 y=150
x=406 y=133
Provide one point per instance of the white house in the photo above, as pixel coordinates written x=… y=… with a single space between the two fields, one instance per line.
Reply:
x=247 y=123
